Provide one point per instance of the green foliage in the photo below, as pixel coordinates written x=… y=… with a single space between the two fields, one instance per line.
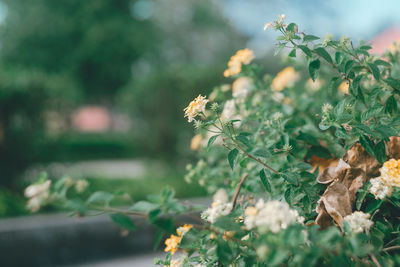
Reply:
x=283 y=132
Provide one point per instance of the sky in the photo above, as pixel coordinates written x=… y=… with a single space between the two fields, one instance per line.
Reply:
x=357 y=19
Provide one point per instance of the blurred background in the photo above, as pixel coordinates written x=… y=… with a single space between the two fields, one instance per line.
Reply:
x=96 y=89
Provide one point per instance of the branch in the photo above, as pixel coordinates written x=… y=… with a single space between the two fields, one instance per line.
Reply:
x=238 y=187
x=391 y=248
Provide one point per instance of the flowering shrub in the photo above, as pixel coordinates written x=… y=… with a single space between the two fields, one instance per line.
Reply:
x=304 y=171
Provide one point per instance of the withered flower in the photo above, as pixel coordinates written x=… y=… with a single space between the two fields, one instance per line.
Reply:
x=354 y=169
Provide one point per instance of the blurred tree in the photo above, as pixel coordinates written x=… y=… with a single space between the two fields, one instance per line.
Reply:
x=143 y=57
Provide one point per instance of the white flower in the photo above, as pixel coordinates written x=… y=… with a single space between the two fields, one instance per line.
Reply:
x=37 y=194
x=359 y=221
x=327 y=108
x=272 y=215
x=81 y=185
x=221 y=196
x=37 y=189
x=379 y=189
x=176 y=263
x=278 y=97
x=219 y=207
x=268 y=25
x=229 y=110
x=277 y=116
x=241 y=87
x=197 y=106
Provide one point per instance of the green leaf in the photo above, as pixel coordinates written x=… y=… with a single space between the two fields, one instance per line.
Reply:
x=393 y=83
x=227 y=223
x=292 y=53
x=279 y=48
x=212 y=140
x=292 y=27
x=123 y=221
x=382 y=63
x=373 y=205
x=375 y=71
x=338 y=57
x=259 y=152
x=313 y=68
x=232 y=155
x=324 y=54
x=243 y=139
x=290 y=177
x=367 y=144
x=265 y=181
x=142 y=206
x=310 y=38
x=305 y=49
x=361 y=194
x=100 y=198
x=391 y=105
x=380 y=152
x=347 y=67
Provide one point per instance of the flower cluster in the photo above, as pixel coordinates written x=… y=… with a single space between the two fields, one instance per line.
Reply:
x=37 y=194
x=276 y=24
x=242 y=57
x=359 y=222
x=219 y=207
x=272 y=215
x=382 y=186
x=197 y=106
x=285 y=78
x=173 y=241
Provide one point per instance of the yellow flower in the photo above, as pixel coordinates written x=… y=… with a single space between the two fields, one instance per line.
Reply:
x=196 y=141
x=184 y=229
x=285 y=78
x=313 y=86
x=172 y=244
x=173 y=241
x=390 y=173
x=195 y=107
x=250 y=211
x=242 y=57
x=344 y=87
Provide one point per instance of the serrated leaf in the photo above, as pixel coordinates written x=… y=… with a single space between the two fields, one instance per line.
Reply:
x=367 y=144
x=305 y=49
x=324 y=54
x=123 y=221
x=380 y=152
x=313 y=68
x=232 y=155
x=375 y=71
x=265 y=181
x=310 y=38
x=212 y=140
x=243 y=139
x=259 y=152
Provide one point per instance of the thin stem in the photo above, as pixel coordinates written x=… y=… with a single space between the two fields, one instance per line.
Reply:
x=375 y=260
x=254 y=158
x=238 y=187
x=126 y=212
x=391 y=248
